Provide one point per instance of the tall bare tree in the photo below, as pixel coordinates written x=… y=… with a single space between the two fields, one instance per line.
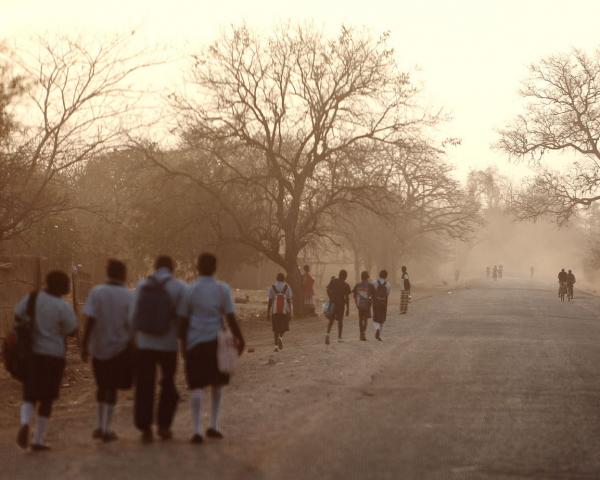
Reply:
x=290 y=126
x=72 y=106
x=562 y=115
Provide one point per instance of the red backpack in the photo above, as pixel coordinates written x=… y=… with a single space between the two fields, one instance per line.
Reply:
x=280 y=304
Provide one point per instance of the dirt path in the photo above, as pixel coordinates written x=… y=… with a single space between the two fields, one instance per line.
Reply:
x=485 y=382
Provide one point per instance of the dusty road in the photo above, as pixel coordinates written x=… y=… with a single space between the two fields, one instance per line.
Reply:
x=486 y=382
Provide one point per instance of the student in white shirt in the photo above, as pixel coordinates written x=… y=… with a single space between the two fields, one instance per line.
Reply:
x=380 y=302
x=53 y=320
x=107 y=337
x=279 y=309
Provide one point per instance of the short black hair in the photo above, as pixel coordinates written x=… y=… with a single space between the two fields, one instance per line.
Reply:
x=364 y=275
x=207 y=264
x=404 y=268
x=58 y=282
x=164 y=261
x=343 y=274
x=116 y=269
x=306 y=268
x=383 y=274
x=280 y=277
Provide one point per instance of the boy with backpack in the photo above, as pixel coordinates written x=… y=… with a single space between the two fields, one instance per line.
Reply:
x=51 y=320
x=279 y=309
x=338 y=292
x=154 y=319
x=380 y=302
x=363 y=296
x=107 y=337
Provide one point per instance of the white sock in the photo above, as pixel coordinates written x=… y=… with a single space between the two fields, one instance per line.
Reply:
x=197 y=410
x=26 y=413
x=40 y=430
x=215 y=406
x=100 y=416
x=108 y=413
x=377 y=326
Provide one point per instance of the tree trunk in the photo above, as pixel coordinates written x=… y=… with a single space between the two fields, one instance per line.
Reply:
x=294 y=279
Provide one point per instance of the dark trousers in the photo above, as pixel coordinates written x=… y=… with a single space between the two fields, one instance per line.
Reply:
x=363 y=317
x=338 y=316
x=147 y=363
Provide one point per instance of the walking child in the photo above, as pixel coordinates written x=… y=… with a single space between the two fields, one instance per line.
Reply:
x=107 y=337
x=380 y=302
x=53 y=320
x=405 y=293
x=338 y=292
x=279 y=309
x=363 y=296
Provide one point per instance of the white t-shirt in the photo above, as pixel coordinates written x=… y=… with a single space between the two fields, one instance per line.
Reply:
x=54 y=320
x=280 y=286
x=109 y=304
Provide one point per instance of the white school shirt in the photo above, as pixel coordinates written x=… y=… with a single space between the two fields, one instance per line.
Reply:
x=205 y=303
x=109 y=304
x=54 y=320
x=288 y=293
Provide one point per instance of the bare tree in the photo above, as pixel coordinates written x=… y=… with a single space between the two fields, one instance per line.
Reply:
x=290 y=126
x=73 y=106
x=562 y=115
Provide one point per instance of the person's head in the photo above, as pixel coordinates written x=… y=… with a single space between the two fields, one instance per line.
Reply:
x=306 y=268
x=364 y=275
x=383 y=274
x=116 y=270
x=343 y=274
x=207 y=264
x=563 y=270
x=164 y=261
x=570 y=271
x=403 y=268
x=57 y=283
x=280 y=277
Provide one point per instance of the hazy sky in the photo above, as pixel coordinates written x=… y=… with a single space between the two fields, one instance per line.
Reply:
x=470 y=54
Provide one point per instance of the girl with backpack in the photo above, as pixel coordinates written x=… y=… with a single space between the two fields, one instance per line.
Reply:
x=279 y=309
x=380 y=302
x=363 y=296
x=405 y=294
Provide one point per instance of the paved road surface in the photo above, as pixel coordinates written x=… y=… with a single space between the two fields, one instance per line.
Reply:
x=485 y=382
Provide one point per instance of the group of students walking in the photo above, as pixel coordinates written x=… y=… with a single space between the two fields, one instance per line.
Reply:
x=129 y=338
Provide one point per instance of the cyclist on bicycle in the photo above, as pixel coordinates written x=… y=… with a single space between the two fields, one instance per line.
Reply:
x=570 y=283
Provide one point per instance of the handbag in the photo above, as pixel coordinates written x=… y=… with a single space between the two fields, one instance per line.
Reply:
x=227 y=352
x=17 y=347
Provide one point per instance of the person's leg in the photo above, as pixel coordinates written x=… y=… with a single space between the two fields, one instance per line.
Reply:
x=340 y=322
x=110 y=400
x=41 y=423
x=196 y=403
x=169 y=397
x=144 y=389
x=26 y=414
x=216 y=395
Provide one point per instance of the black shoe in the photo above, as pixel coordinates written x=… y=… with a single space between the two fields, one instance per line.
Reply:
x=23 y=436
x=97 y=434
x=165 y=433
x=280 y=343
x=109 y=437
x=36 y=447
x=147 y=436
x=197 y=439
x=213 y=433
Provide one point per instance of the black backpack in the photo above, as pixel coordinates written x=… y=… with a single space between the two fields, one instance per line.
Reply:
x=154 y=312
x=381 y=295
x=17 y=347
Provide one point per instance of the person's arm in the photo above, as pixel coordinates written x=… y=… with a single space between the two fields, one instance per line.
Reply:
x=184 y=325
x=347 y=296
x=290 y=300
x=87 y=332
x=240 y=343
x=270 y=296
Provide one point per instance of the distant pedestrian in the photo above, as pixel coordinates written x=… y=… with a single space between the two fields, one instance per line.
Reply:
x=495 y=273
x=500 y=271
x=456 y=275
x=53 y=320
x=154 y=314
x=380 y=302
x=405 y=293
x=338 y=292
x=531 y=271
x=363 y=297
x=487 y=272
x=308 y=284
x=107 y=336
x=204 y=311
x=280 y=309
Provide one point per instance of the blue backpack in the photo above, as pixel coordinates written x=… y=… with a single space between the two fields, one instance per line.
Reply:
x=154 y=311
